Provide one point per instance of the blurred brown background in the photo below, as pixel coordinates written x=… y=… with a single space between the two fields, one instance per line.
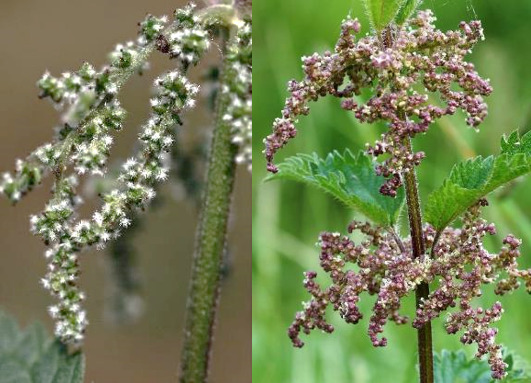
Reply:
x=59 y=35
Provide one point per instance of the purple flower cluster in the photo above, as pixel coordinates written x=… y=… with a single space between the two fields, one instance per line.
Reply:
x=400 y=68
x=385 y=267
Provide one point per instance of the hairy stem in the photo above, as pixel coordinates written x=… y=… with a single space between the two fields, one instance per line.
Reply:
x=424 y=340
x=210 y=241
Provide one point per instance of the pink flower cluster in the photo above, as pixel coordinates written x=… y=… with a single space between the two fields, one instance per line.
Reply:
x=400 y=68
x=384 y=266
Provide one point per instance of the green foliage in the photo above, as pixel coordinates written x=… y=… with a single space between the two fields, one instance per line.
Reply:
x=351 y=179
x=476 y=177
x=285 y=32
x=30 y=356
x=456 y=367
x=407 y=9
x=383 y=12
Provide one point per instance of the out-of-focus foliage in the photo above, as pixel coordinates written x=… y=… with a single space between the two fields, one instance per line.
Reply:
x=456 y=367
x=288 y=217
x=31 y=356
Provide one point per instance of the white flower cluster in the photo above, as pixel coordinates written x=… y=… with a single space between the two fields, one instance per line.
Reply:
x=237 y=87
x=151 y=28
x=67 y=237
x=190 y=41
x=68 y=86
x=83 y=143
x=88 y=94
x=92 y=145
x=54 y=226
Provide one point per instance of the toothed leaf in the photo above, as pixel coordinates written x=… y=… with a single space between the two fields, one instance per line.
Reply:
x=456 y=367
x=407 y=9
x=349 y=178
x=475 y=178
x=382 y=12
x=31 y=356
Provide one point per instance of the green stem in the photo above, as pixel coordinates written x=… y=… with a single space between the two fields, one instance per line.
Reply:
x=424 y=339
x=210 y=242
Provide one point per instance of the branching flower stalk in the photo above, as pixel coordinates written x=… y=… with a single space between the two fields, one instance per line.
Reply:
x=399 y=65
x=91 y=113
x=84 y=144
x=391 y=274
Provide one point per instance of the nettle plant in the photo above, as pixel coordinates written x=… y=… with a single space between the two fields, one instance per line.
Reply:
x=91 y=115
x=414 y=74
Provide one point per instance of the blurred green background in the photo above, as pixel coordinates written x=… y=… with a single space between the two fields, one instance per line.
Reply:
x=288 y=217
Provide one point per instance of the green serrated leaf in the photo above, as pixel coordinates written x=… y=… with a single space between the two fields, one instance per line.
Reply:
x=45 y=368
x=11 y=371
x=71 y=368
x=382 y=12
x=30 y=356
x=30 y=345
x=456 y=367
x=514 y=144
x=453 y=367
x=477 y=177
x=407 y=9
x=351 y=179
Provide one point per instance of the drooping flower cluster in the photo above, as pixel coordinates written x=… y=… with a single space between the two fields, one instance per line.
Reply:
x=400 y=68
x=385 y=267
x=83 y=143
x=90 y=115
x=237 y=88
x=67 y=237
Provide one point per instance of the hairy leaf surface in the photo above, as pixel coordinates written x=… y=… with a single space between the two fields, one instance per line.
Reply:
x=407 y=9
x=475 y=178
x=382 y=12
x=456 y=367
x=349 y=178
x=30 y=356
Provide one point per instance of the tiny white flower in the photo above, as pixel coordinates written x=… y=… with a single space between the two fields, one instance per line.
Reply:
x=45 y=283
x=162 y=175
x=53 y=310
x=150 y=193
x=167 y=141
x=98 y=218
x=107 y=140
